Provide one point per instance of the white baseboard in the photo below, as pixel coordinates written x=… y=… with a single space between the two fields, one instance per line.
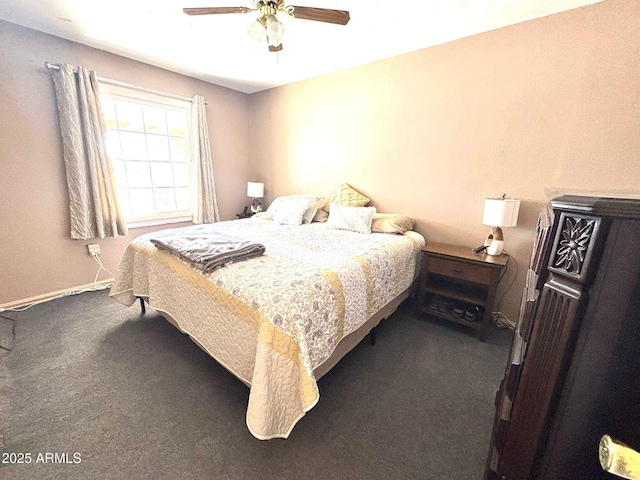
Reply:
x=45 y=297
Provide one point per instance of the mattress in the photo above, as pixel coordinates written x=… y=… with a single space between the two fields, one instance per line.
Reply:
x=274 y=319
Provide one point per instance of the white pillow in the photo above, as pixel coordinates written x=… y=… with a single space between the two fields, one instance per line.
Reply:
x=313 y=207
x=354 y=219
x=285 y=202
x=291 y=211
x=278 y=202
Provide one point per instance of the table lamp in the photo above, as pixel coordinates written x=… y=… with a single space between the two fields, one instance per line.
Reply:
x=499 y=212
x=255 y=190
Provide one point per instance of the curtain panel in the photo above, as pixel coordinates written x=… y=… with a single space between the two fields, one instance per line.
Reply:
x=206 y=206
x=93 y=202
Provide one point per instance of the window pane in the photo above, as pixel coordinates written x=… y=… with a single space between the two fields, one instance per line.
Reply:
x=182 y=174
x=178 y=123
x=123 y=199
x=138 y=174
x=154 y=120
x=133 y=146
x=158 y=147
x=150 y=148
x=141 y=201
x=183 y=199
x=129 y=116
x=165 y=200
x=109 y=112
x=179 y=149
x=162 y=174
x=113 y=144
x=121 y=173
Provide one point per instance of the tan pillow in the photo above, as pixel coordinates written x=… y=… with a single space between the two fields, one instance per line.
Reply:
x=321 y=214
x=347 y=197
x=391 y=223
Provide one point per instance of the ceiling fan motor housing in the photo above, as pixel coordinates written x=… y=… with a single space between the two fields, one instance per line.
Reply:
x=269 y=8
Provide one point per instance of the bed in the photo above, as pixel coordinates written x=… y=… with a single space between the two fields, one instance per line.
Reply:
x=281 y=320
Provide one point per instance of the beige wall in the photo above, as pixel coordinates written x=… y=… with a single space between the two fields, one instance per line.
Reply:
x=553 y=102
x=36 y=254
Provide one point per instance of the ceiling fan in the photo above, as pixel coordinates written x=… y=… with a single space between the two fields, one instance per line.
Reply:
x=268 y=24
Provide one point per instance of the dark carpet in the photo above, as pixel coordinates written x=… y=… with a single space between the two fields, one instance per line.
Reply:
x=110 y=393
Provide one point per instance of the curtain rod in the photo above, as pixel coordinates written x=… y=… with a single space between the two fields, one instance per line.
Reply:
x=118 y=83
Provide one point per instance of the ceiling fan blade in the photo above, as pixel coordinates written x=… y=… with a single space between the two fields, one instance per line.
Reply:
x=339 y=17
x=213 y=10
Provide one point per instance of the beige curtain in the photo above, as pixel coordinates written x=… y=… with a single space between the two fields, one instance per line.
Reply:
x=95 y=212
x=206 y=210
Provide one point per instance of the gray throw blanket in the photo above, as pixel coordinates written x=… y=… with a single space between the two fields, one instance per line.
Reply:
x=208 y=251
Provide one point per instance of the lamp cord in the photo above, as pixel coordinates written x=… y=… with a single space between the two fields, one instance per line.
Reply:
x=13 y=334
x=499 y=302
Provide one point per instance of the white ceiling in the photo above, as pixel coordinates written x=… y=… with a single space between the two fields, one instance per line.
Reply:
x=217 y=48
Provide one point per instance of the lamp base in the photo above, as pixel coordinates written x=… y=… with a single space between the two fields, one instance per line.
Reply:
x=256 y=206
x=494 y=242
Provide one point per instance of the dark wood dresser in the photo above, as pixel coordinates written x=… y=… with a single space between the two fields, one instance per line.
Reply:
x=574 y=367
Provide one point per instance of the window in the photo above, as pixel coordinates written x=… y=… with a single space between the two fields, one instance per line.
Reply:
x=149 y=142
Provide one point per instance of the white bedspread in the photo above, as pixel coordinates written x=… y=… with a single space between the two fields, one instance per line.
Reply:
x=272 y=319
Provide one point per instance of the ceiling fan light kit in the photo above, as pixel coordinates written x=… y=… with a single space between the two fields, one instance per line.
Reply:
x=268 y=25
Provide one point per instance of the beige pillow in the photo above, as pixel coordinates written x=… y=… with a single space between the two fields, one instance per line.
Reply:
x=347 y=197
x=391 y=223
x=311 y=211
x=321 y=214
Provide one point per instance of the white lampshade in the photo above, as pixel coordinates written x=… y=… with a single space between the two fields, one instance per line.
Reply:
x=255 y=189
x=275 y=30
x=257 y=30
x=501 y=212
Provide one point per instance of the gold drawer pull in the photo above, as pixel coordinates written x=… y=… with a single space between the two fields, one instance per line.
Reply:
x=619 y=459
x=457 y=270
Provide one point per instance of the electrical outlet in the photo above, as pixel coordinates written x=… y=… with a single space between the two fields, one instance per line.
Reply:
x=94 y=249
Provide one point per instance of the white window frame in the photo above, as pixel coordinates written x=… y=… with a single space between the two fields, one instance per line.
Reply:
x=139 y=96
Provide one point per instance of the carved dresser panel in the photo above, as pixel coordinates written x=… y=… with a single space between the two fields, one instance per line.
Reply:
x=575 y=362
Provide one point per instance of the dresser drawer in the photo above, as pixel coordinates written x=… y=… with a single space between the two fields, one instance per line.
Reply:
x=461 y=270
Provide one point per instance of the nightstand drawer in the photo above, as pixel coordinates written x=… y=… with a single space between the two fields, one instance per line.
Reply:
x=463 y=271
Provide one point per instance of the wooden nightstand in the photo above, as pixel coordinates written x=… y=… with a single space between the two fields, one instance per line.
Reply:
x=455 y=279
